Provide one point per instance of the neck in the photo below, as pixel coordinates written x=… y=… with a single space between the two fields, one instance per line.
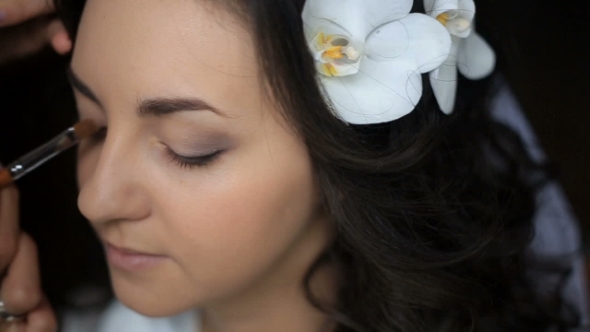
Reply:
x=278 y=301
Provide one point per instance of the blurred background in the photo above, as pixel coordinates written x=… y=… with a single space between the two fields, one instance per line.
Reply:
x=543 y=54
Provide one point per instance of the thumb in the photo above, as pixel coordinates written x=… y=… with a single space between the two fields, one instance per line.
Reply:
x=58 y=36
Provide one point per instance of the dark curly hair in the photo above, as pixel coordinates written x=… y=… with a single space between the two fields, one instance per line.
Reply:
x=434 y=213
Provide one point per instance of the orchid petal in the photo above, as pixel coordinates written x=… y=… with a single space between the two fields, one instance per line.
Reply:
x=444 y=79
x=323 y=45
x=336 y=69
x=444 y=84
x=465 y=9
x=416 y=38
x=379 y=92
x=358 y=17
x=476 y=57
x=327 y=28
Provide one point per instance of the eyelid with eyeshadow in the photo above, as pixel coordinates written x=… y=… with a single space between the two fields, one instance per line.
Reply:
x=192 y=161
x=178 y=159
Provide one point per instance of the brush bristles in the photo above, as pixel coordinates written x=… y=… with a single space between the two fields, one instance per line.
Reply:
x=85 y=129
x=5 y=178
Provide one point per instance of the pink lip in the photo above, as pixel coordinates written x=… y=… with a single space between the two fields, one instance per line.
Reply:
x=131 y=260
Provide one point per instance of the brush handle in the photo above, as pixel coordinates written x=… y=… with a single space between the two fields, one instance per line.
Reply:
x=39 y=156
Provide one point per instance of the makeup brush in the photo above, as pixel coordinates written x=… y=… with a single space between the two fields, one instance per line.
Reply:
x=47 y=151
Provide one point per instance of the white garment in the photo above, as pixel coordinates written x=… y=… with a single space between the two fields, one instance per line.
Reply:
x=119 y=318
x=557 y=233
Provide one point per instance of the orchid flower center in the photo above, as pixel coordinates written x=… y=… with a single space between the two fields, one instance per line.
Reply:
x=335 y=52
x=454 y=22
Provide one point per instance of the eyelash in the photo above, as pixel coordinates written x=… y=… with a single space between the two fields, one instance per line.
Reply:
x=181 y=161
x=191 y=162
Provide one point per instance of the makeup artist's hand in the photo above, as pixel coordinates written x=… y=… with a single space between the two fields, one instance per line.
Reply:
x=26 y=26
x=20 y=286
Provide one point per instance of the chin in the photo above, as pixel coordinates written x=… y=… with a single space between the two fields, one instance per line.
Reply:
x=149 y=300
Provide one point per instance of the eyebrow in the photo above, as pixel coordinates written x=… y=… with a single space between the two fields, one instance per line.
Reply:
x=149 y=107
x=165 y=106
x=79 y=85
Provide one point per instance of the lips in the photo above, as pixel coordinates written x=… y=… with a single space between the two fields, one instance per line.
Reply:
x=129 y=251
x=132 y=260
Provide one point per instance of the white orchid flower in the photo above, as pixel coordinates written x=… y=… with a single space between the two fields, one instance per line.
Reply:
x=371 y=53
x=469 y=52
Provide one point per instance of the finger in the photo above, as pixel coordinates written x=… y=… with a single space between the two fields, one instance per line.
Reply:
x=60 y=40
x=4 y=326
x=21 y=290
x=19 y=11
x=16 y=327
x=42 y=319
x=9 y=227
x=23 y=39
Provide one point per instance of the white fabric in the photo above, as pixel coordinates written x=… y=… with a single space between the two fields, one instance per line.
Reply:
x=119 y=318
x=557 y=234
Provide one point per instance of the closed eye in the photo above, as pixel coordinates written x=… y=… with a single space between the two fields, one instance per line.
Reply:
x=192 y=161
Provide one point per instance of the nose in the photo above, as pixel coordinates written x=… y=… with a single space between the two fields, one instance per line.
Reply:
x=113 y=187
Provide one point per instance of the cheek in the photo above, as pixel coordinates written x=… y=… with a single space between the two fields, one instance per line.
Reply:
x=245 y=221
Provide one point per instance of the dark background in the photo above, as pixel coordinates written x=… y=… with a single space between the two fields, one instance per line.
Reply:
x=36 y=105
x=543 y=53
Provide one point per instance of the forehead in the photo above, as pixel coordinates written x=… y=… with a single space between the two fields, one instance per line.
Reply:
x=142 y=48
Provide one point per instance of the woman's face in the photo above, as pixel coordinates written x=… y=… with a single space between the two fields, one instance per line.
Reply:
x=174 y=82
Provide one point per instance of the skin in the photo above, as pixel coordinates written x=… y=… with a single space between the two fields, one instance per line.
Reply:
x=20 y=285
x=238 y=234
x=25 y=28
